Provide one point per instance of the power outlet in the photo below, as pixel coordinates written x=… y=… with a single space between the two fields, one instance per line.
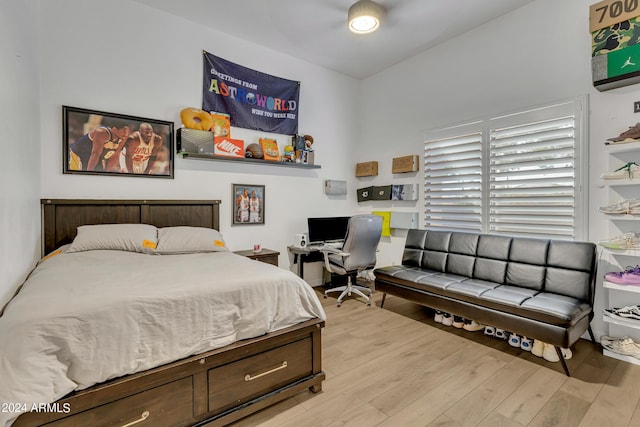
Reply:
x=636 y=107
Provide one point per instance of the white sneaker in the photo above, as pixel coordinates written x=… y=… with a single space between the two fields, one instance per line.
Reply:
x=501 y=334
x=473 y=326
x=549 y=353
x=624 y=345
x=514 y=340
x=490 y=331
x=526 y=343
x=538 y=348
x=438 y=317
x=629 y=240
x=447 y=319
x=458 y=322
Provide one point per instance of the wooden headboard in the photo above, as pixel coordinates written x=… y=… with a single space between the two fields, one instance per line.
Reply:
x=61 y=217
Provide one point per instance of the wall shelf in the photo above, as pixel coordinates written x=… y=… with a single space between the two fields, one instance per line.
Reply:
x=249 y=161
x=635 y=324
x=626 y=288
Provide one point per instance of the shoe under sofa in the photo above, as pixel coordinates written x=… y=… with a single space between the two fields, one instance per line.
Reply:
x=539 y=288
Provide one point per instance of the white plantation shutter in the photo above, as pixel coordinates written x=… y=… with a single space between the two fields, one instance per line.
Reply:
x=453 y=180
x=528 y=183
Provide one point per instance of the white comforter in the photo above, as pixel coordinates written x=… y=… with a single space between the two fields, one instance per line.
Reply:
x=87 y=317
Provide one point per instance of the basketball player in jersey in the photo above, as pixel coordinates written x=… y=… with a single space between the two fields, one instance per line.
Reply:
x=141 y=150
x=243 y=206
x=254 y=207
x=93 y=150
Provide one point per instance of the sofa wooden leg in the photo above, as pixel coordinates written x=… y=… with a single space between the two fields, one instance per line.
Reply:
x=384 y=296
x=593 y=338
x=564 y=363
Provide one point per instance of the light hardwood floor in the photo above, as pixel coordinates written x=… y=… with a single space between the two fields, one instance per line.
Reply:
x=397 y=367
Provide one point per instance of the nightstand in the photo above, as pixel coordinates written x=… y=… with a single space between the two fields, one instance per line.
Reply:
x=265 y=255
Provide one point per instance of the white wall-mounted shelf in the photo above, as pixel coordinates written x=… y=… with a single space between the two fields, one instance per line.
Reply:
x=622 y=182
x=629 y=359
x=616 y=286
x=622 y=148
x=624 y=252
x=635 y=324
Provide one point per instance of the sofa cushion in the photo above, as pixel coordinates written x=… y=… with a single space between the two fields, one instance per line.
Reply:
x=472 y=287
x=464 y=244
x=508 y=295
x=555 y=309
x=525 y=275
x=491 y=270
x=460 y=264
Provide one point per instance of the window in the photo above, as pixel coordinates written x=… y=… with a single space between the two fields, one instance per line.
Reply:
x=518 y=174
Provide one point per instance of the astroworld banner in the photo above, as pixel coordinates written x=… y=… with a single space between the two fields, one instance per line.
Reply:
x=254 y=100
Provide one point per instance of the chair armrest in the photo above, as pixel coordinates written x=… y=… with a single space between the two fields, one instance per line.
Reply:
x=326 y=250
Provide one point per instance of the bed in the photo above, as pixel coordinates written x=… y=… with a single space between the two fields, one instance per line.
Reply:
x=219 y=378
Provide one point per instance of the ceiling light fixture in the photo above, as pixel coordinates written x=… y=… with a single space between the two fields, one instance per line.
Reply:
x=364 y=16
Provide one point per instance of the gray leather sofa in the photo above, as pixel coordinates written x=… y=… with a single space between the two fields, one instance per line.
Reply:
x=542 y=289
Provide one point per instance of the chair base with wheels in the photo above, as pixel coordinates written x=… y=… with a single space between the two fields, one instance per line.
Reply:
x=349 y=289
x=358 y=253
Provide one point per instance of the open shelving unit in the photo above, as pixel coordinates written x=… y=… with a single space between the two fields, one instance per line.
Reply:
x=619 y=295
x=247 y=161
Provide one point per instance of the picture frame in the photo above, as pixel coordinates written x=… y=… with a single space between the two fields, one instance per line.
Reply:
x=248 y=202
x=96 y=143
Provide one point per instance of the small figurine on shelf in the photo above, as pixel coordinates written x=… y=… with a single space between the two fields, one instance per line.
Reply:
x=298 y=144
x=308 y=154
x=289 y=154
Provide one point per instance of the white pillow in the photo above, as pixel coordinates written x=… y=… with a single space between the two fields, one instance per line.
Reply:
x=141 y=238
x=184 y=240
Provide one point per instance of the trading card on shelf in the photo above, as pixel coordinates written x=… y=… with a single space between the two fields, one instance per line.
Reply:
x=270 y=149
x=221 y=124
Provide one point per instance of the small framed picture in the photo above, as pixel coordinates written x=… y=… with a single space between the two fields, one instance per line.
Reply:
x=100 y=143
x=248 y=204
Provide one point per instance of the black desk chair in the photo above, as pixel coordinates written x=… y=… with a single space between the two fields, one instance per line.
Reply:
x=358 y=253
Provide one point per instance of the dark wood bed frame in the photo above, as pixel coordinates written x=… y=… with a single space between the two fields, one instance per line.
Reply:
x=210 y=389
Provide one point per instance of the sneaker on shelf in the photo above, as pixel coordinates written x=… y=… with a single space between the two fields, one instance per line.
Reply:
x=458 y=322
x=514 y=340
x=620 y=208
x=501 y=334
x=526 y=343
x=625 y=346
x=490 y=331
x=447 y=319
x=631 y=312
x=630 y=135
x=629 y=171
x=472 y=326
x=438 y=317
x=538 y=348
x=629 y=240
x=631 y=276
x=549 y=353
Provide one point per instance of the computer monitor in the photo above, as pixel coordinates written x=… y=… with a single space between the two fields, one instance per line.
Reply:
x=327 y=229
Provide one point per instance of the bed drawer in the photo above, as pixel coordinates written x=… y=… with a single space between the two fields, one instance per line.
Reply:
x=238 y=382
x=167 y=405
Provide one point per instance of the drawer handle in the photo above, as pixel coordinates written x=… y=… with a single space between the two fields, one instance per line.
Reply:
x=143 y=417
x=249 y=377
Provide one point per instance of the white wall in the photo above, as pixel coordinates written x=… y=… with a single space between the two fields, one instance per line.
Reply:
x=20 y=142
x=535 y=55
x=124 y=57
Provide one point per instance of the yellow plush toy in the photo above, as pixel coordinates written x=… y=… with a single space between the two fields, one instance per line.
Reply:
x=195 y=118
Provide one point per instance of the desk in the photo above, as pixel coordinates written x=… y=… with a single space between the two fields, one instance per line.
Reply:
x=302 y=255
